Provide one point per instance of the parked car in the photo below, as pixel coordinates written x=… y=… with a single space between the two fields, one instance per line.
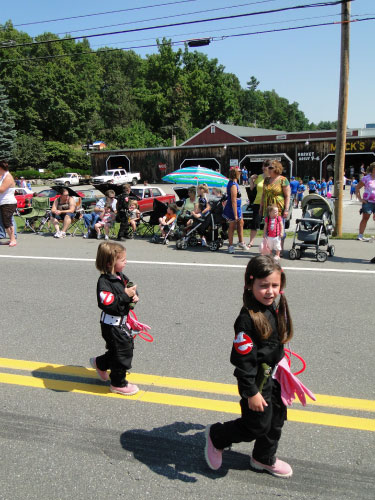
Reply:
x=70 y=179
x=145 y=195
x=88 y=197
x=116 y=176
x=23 y=197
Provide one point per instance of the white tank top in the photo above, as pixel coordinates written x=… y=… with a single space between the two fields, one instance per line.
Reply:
x=7 y=198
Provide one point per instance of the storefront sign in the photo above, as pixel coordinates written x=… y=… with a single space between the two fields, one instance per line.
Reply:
x=355 y=146
x=233 y=163
x=162 y=166
x=308 y=156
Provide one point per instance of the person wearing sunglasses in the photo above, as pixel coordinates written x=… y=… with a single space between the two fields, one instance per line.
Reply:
x=276 y=191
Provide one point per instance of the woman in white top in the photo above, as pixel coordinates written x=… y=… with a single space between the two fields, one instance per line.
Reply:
x=8 y=202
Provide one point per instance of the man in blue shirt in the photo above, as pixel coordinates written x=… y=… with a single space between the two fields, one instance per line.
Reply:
x=293 y=189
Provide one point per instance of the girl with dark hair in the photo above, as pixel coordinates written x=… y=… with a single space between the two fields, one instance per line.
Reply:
x=262 y=328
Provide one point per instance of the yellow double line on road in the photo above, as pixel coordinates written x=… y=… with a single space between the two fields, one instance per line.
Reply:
x=39 y=369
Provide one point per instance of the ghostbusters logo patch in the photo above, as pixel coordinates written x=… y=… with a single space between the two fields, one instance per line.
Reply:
x=243 y=343
x=106 y=298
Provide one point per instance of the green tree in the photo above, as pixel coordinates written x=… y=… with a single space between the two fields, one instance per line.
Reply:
x=7 y=130
x=29 y=151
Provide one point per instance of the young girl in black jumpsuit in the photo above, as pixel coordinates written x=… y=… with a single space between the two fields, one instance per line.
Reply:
x=114 y=299
x=261 y=330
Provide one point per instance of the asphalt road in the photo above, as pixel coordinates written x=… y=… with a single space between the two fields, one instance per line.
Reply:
x=64 y=436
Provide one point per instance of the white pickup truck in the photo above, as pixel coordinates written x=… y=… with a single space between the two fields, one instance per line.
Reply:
x=117 y=176
x=70 y=179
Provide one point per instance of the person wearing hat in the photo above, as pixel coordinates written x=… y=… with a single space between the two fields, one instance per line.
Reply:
x=293 y=190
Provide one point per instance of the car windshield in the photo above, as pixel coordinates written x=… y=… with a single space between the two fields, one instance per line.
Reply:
x=137 y=192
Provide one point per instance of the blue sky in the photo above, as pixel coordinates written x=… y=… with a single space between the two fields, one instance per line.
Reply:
x=300 y=65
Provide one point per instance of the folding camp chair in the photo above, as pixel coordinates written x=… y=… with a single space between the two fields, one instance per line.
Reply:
x=34 y=219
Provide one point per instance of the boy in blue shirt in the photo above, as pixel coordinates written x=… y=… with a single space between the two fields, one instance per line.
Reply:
x=323 y=186
x=293 y=189
x=312 y=185
x=300 y=190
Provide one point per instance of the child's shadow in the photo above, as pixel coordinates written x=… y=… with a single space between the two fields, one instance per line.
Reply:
x=176 y=453
x=68 y=378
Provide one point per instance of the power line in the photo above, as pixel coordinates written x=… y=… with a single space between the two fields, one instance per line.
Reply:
x=166 y=17
x=103 y=13
x=181 y=42
x=146 y=28
x=228 y=29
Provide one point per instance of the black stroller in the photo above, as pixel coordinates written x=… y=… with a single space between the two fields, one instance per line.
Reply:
x=213 y=227
x=314 y=229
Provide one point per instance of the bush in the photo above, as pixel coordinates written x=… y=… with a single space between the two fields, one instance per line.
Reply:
x=55 y=166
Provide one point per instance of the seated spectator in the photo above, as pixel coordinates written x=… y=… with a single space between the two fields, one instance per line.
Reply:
x=134 y=215
x=106 y=219
x=92 y=218
x=168 y=219
x=189 y=203
x=63 y=209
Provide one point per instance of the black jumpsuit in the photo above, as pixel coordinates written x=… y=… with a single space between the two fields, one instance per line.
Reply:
x=113 y=301
x=248 y=352
x=123 y=215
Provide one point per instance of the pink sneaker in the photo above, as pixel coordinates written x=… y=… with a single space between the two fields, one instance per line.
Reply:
x=214 y=457
x=278 y=469
x=129 y=390
x=103 y=375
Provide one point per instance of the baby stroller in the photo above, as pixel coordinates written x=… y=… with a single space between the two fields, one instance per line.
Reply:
x=213 y=227
x=314 y=229
x=159 y=210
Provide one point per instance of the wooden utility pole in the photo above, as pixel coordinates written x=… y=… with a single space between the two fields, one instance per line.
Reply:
x=342 y=115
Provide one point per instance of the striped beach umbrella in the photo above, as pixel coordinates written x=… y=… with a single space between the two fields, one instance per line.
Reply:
x=196 y=175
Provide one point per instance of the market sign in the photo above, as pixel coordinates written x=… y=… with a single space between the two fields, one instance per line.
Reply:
x=162 y=166
x=308 y=156
x=261 y=160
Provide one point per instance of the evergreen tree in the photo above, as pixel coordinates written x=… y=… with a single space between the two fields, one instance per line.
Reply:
x=7 y=131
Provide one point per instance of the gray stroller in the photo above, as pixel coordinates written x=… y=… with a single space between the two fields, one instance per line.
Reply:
x=314 y=228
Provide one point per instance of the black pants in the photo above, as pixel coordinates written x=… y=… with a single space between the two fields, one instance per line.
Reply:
x=119 y=355
x=124 y=226
x=263 y=427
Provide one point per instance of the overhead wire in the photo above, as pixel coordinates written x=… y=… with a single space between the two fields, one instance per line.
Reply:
x=181 y=42
x=107 y=12
x=147 y=28
x=166 y=17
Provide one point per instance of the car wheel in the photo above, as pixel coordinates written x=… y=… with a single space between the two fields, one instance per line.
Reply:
x=134 y=181
x=321 y=256
x=179 y=245
x=298 y=254
x=292 y=254
x=67 y=183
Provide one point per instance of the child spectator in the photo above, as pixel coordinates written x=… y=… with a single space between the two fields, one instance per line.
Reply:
x=168 y=219
x=106 y=219
x=134 y=215
x=273 y=230
x=323 y=186
x=353 y=184
x=300 y=190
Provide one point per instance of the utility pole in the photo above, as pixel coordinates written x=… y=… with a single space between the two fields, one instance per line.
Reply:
x=342 y=115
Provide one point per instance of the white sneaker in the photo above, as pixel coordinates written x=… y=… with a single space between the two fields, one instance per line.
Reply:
x=57 y=234
x=99 y=237
x=242 y=245
x=86 y=235
x=231 y=249
x=60 y=234
x=106 y=237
